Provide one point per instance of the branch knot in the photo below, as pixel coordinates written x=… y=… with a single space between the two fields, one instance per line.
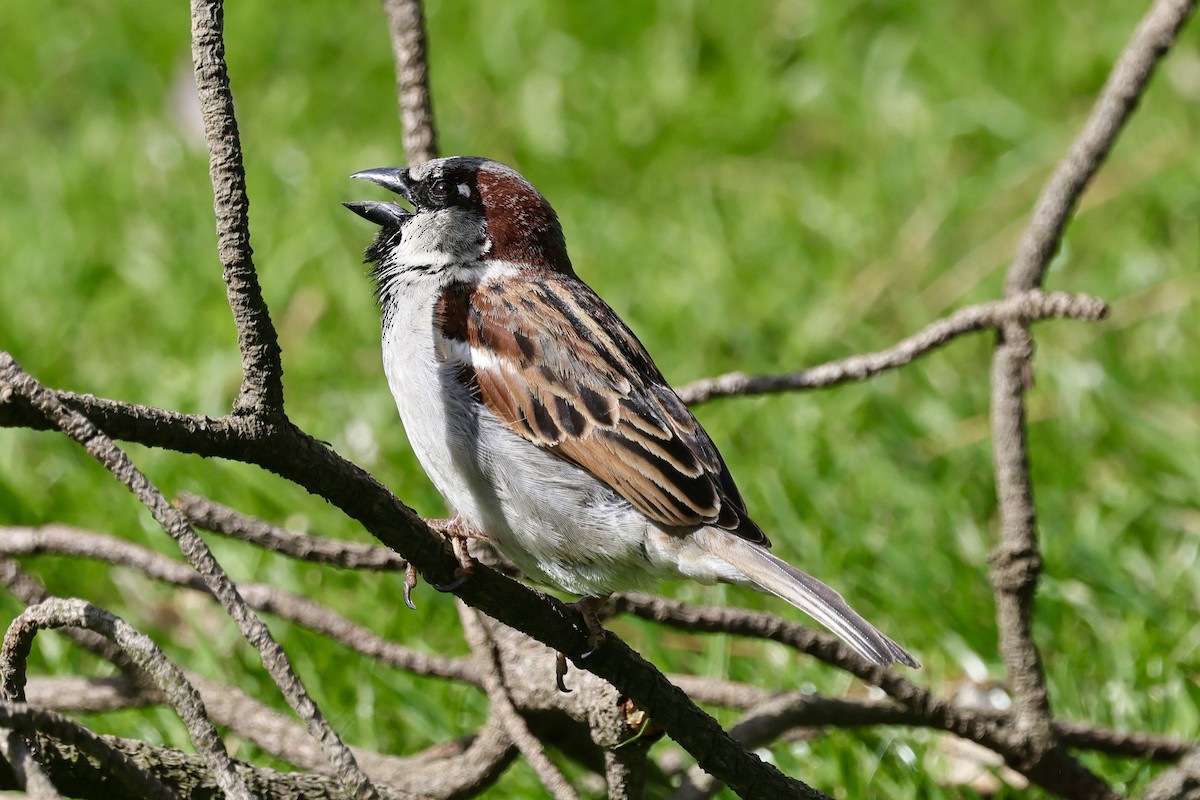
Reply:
x=1014 y=568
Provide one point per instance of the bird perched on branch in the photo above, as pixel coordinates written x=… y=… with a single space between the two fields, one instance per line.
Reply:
x=541 y=418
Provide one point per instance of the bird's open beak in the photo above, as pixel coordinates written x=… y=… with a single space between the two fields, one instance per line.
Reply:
x=393 y=179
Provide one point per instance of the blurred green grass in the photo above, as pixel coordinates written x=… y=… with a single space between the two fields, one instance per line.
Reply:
x=757 y=187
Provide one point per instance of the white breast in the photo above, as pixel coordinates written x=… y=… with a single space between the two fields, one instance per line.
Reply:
x=432 y=411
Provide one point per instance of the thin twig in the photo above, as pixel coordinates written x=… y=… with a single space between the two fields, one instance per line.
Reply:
x=61 y=613
x=1121 y=94
x=1028 y=307
x=218 y=518
x=213 y=516
x=65 y=540
x=29 y=591
x=721 y=692
x=35 y=721
x=262 y=367
x=406 y=21
x=492 y=669
x=102 y=448
x=1016 y=562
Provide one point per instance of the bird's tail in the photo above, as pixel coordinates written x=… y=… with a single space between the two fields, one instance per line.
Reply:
x=770 y=574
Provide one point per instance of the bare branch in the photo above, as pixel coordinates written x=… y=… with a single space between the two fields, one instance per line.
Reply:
x=1028 y=307
x=1028 y=738
x=1180 y=783
x=454 y=769
x=720 y=692
x=100 y=447
x=93 y=777
x=1016 y=562
x=218 y=518
x=262 y=368
x=154 y=427
x=213 y=516
x=293 y=454
x=69 y=694
x=492 y=670
x=64 y=540
x=1121 y=93
x=35 y=721
x=25 y=767
x=769 y=720
x=935 y=711
x=1125 y=744
x=31 y=592
x=406 y=20
x=59 y=613
x=625 y=771
x=990 y=731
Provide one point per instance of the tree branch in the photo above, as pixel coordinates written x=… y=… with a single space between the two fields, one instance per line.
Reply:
x=492 y=669
x=118 y=768
x=1180 y=783
x=30 y=592
x=218 y=518
x=86 y=767
x=1016 y=562
x=59 y=613
x=262 y=367
x=1028 y=307
x=1121 y=94
x=102 y=448
x=294 y=455
x=406 y=21
x=64 y=540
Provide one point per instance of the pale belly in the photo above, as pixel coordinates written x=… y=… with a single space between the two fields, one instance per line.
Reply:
x=556 y=522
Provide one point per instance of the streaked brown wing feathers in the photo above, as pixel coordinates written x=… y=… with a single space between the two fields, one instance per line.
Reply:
x=565 y=373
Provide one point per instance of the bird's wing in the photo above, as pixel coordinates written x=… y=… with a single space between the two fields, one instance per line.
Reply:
x=549 y=358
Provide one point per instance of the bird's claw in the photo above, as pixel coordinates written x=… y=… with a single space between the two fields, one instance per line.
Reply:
x=560 y=672
x=410 y=583
x=460 y=577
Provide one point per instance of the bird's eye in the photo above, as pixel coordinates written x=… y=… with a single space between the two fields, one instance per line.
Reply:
x=439 y=190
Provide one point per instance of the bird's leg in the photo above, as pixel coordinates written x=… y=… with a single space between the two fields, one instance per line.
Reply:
x=589 y=609
x=459 y=533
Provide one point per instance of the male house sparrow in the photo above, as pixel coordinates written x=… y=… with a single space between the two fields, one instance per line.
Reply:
x=538 y=414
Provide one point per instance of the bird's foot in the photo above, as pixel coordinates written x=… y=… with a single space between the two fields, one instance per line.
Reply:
x=588 y=608
x=458 y=533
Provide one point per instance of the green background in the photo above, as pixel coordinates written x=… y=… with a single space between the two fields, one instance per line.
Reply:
x=753 y=186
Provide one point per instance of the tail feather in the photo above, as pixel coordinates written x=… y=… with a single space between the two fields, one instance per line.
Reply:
x=773 y=575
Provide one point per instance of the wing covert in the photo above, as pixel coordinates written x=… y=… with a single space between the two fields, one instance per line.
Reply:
x=549 y=358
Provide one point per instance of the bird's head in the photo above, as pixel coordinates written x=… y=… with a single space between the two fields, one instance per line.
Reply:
x=465 y=211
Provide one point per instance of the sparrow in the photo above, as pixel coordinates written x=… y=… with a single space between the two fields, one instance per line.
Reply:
x=540 y=417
